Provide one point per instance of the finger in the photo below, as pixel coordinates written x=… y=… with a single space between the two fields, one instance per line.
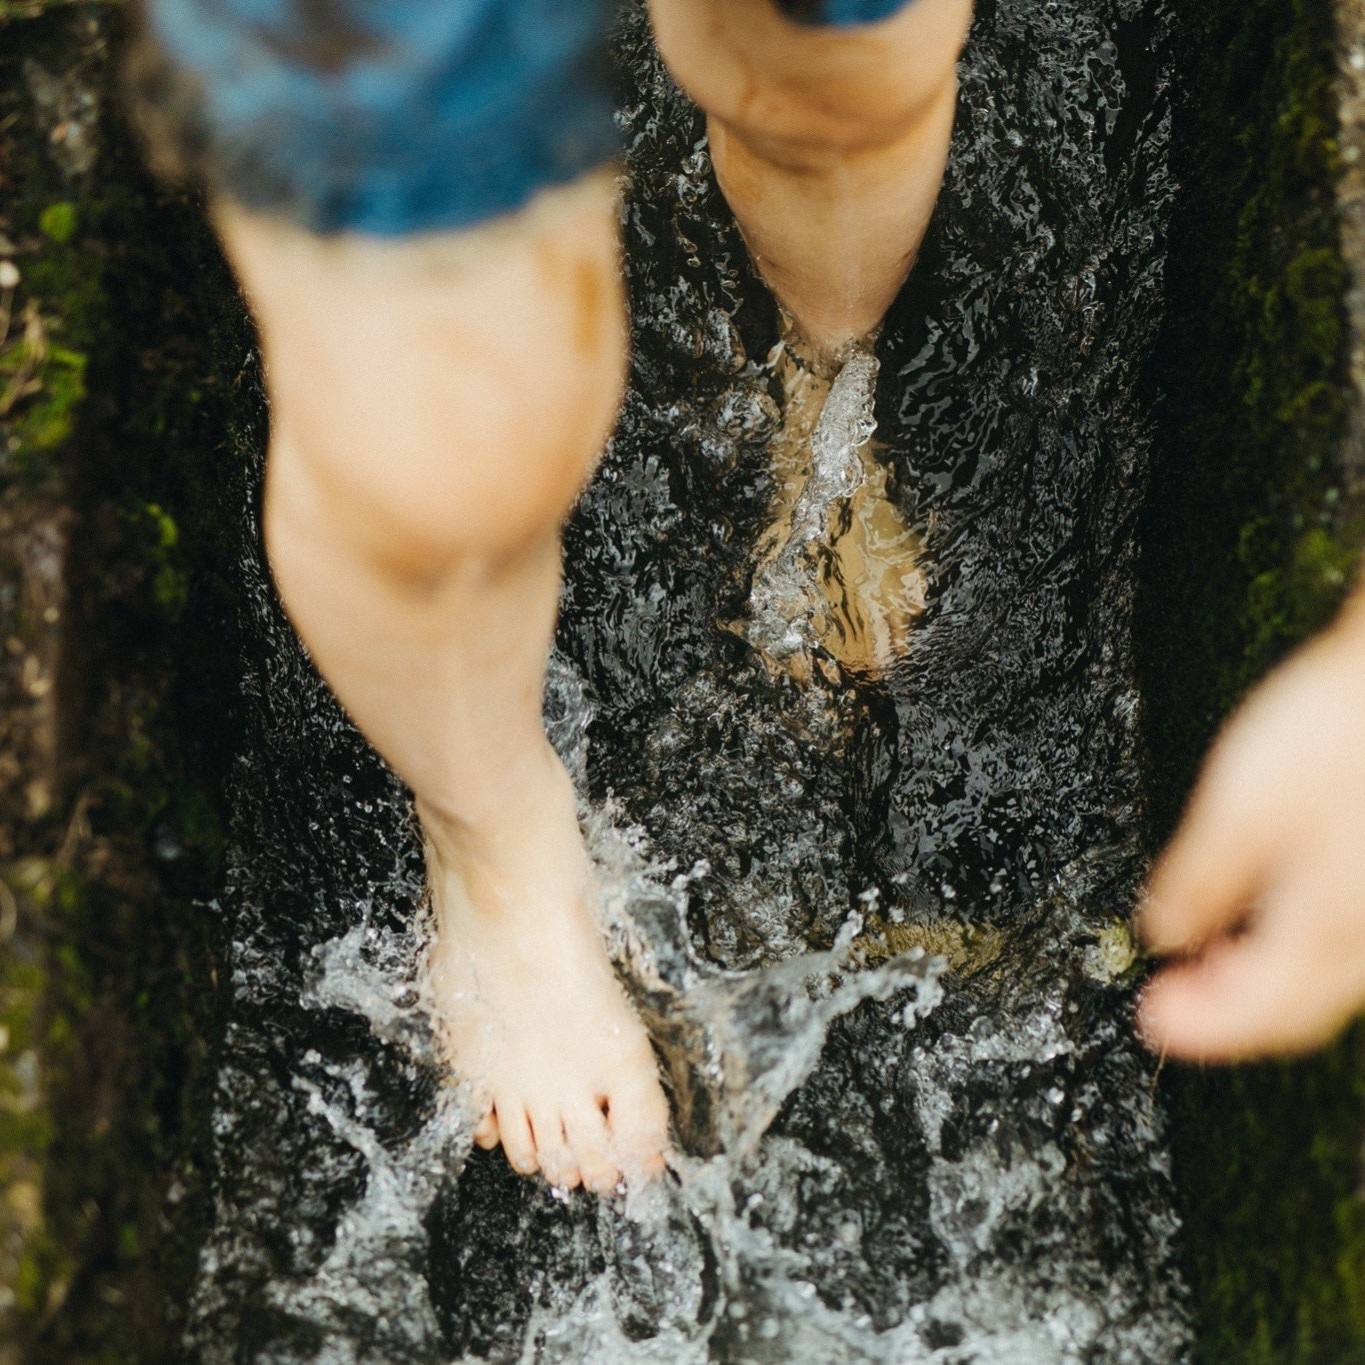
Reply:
x=585 y=1126
x=517 y=1142
x=556 y=1158
x=1214 y=866
x=1252 y=996
x=486 y=1134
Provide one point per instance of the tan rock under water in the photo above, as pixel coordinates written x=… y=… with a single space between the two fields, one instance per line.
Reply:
x=838 y=583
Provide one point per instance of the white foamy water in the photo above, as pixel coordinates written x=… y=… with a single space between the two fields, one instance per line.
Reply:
x=780 y=603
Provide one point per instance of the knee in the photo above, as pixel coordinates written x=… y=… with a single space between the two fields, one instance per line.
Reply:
x=471 y=496
x=439 y=407
x=801 y=95
x=469 y=465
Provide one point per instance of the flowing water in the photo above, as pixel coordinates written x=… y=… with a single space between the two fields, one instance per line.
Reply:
x=871 y=901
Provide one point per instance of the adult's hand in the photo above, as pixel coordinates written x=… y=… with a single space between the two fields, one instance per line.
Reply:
x=1260 y=898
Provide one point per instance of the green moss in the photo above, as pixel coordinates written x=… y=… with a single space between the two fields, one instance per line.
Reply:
x=12 y=10
x=51 y=417
x=41 y=1269
x=170 y=587
x=57 y=222
x=45 y=1001
x=56 y=317
x=167 y=532
x=131 y=341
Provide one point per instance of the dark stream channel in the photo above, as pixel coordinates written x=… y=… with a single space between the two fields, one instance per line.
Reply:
x=968 y=1165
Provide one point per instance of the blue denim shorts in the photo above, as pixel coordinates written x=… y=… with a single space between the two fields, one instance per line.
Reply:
x=393 y=117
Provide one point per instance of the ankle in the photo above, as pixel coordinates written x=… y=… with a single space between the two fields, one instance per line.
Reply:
x=520 y=842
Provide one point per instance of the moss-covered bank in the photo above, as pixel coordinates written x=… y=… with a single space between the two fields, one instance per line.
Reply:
x=127 y=391
x=1251 y=541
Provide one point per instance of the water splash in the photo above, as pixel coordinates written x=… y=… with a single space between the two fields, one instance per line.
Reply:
x=783 y=613
x=846 y=424
x=735 y=1045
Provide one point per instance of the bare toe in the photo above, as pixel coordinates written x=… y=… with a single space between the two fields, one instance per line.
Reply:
x=586 y=1128
x=517 y=1142
x=637 y=1117
x=486 y=1134
x=557 y=1162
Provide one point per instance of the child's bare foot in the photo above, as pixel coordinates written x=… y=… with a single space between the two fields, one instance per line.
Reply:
x=532 y=1015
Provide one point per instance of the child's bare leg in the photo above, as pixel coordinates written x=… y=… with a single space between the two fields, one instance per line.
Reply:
x=436 y=406
x=828 y=143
